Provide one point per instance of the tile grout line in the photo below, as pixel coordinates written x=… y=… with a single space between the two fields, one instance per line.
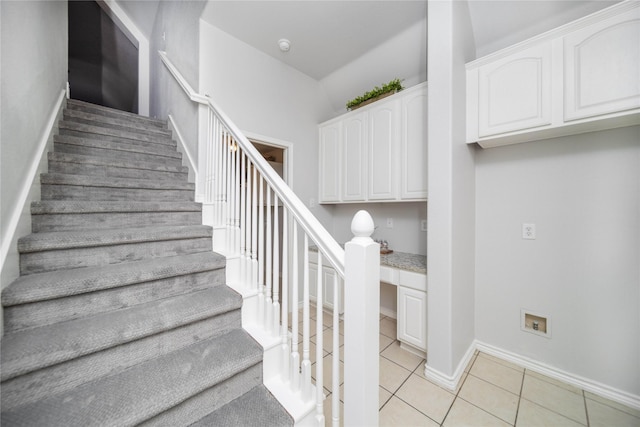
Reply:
x=515 y=421
x=586 y=408
x=460 y=389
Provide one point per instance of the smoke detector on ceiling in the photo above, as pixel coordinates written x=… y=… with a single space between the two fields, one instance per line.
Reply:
x=284 y=45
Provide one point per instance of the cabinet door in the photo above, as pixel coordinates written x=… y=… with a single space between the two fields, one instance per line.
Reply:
x=354 y=149
x=412 y=317
x=330 y=164
x=413 y=172
x=384 y=145
x=515 y=91
x=313 y=282
x=602 y=67
x=329 y=275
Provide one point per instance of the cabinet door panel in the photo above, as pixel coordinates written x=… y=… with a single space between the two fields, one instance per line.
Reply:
x=412 y=317
x=330 y=163
x=414 y=146
x=515 y=92
x=602 y=67
x=384 y=140
x=354 y=142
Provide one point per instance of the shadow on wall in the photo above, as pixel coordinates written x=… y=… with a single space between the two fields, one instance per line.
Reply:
x=103 y=63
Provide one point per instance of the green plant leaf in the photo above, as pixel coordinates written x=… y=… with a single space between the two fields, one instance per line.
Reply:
x=394 y=85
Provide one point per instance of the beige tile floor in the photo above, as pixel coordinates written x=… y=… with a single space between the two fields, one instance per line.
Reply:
x=492 y=392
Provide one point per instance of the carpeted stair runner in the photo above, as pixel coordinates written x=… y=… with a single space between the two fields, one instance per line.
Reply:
x=121 y=315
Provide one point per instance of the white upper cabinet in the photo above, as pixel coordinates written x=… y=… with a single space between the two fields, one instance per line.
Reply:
x=380 y=153
x=515 y=92
x=602 y=67
x=384 y=134
x=330 y=162
x=581 y=77
x=354 y=157
x=414 y=146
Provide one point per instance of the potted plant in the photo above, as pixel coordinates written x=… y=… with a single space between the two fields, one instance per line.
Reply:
x=375 y=94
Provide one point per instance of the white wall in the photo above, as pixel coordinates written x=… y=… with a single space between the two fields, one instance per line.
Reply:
x=403 y=56
x=33 y=62
x=583 y=194
x=450 y=240
x=264 y=96
x=405 y=236
x=178 y=23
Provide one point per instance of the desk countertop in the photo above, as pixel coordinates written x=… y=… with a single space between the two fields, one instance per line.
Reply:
x=400 y=260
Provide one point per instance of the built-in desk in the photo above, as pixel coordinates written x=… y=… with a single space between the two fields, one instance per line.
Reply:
x=406 y=271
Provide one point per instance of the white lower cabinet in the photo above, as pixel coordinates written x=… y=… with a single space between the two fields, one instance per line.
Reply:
x=328 y=295
x=412 y=317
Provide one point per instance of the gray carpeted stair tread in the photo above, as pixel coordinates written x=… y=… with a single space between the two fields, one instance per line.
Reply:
x=71 y=206
x=257 y=408
x=65 y=215
x=148 y=148
x=98 y=181
x=80 y=129
x=36 y=242
x=167 y=165
x=66 y=376
x=32 y=349
x=145 y=390
x=63 y=283
x=127 y=123
x=112 y=112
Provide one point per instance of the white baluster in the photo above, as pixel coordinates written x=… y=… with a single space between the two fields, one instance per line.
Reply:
x=276 y=268
x=261 y=288
x=268 y=320
x=254 y=230
x=229 y=174
x=306 y=363
x=242 y=225
x=247 y=225
x=237 y=198
x=319 y=347
x=284 y=328
x=295 y=356
x=335 y=362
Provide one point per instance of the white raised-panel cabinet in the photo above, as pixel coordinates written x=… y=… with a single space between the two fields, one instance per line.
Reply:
x=377 y=153
x=354 y=149
x=384 y=134
x=515 y=91
x=330 y=166
x=581 y=77
x=328 y=276
x=602 y=67
x=412 y=317
x=414 y=145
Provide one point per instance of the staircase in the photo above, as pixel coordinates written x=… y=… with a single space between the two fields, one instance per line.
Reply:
x=121 y=315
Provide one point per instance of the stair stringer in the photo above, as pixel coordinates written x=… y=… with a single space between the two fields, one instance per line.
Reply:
x=273 y=362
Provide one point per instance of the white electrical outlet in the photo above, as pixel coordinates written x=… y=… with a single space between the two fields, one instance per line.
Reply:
x=529 y=231
x=389 y=222
x=312 y=203
x=423 y=225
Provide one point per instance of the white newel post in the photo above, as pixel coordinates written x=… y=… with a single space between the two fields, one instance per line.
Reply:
x=361 y=324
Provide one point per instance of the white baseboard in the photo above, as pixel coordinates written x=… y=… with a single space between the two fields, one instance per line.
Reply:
x=446 y=381
x=182 y=147
x=30 y=177
x=586 y=384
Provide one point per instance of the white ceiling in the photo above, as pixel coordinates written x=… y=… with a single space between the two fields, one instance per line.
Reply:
x=327 y=35
x=324 y=35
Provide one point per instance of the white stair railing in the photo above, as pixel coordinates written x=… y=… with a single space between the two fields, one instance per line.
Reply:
x=243 y=197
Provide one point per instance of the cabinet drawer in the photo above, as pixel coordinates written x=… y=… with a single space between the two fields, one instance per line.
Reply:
x=412 y=280
x=389 y=275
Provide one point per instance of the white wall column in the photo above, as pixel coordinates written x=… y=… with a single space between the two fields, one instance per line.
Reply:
x=451 y=206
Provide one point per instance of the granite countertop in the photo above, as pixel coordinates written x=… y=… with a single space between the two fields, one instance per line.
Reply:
x=401 y=260
x=405 y=261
